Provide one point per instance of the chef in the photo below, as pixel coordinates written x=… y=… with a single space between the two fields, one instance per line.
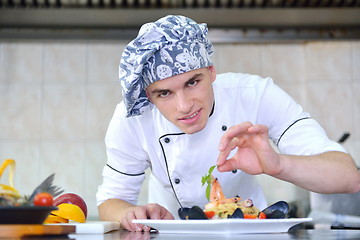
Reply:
x=179 y=118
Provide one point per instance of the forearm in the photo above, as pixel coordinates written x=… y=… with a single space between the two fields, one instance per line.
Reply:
x=330 y=172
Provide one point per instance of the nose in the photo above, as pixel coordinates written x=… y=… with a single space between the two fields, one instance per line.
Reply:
x=184 y=103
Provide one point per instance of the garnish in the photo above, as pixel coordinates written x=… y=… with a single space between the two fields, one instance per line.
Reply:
x=207 y=180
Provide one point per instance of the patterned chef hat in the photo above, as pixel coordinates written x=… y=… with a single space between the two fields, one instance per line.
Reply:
x=170 y=46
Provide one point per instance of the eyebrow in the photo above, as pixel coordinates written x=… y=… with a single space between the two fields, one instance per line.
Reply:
x=186 y=83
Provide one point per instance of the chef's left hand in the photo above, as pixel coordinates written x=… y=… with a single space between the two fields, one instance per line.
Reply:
x=254 y=154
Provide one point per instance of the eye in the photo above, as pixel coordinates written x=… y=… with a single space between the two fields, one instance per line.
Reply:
x=163 y=94
x=192 y=83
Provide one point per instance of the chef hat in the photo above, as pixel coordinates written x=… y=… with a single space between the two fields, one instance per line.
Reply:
x=170 y=46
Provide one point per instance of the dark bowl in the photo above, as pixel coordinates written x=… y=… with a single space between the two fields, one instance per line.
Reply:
x=24 y=214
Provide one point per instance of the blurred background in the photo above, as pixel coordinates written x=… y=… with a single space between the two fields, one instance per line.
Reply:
x=59 y=76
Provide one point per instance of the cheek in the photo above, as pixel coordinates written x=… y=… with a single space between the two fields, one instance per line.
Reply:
x=165 y=107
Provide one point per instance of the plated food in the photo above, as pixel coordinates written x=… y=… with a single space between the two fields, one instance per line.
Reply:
x=220 y=207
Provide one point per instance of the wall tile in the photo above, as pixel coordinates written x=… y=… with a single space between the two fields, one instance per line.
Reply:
x=103 y=62
x=328 y=61
x=64 y=62
x=356 y=61
x=3 y=77
x=284 y=62
x=332 y=106
x=356 y=110
x=26 y=155
x=95 y=160
x=244 y=58
x=22 y=62
x=66 y=160
x=296 y=91
x=63 y=114
x=20 y=110
x=101 y=101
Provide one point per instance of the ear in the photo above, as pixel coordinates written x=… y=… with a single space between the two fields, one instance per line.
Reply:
x=212 y=72
x=148 y=95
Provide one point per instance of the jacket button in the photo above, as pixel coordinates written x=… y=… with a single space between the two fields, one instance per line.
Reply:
x=167 y=140
x=234 y=171
x=177 y=181
x=224 y=128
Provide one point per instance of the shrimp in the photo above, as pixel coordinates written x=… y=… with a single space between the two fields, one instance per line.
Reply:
x=216 y=192
x=217 y=196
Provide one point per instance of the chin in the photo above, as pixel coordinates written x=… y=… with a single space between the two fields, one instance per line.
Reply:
x=192 y=129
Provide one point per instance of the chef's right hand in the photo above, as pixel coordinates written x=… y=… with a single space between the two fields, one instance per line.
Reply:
x=148 y=211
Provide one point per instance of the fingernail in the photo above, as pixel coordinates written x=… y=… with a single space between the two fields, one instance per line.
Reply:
x=221 y=147
x=147 y=228
x=137 y=228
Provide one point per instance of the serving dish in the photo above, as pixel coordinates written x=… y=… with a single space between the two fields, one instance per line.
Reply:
x=223 y=226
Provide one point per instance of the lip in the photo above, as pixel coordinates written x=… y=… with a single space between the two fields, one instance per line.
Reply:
x=186 y=120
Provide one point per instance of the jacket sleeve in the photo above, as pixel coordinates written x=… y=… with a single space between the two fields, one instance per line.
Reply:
x=124 y=172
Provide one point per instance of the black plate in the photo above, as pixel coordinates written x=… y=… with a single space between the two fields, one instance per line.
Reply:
x=25 y=214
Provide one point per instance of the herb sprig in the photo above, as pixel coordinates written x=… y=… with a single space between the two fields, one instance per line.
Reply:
x=207 y=180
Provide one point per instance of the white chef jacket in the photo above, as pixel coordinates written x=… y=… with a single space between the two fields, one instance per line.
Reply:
x=178 y=160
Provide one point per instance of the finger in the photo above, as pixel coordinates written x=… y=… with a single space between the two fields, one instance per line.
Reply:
x=159 y=212
x=142 y=213
x=228 y=165
x=127 y=224
x=153 y=211
x=259 y=129
x=232 y=132
x=137 y=213
x=223 y=155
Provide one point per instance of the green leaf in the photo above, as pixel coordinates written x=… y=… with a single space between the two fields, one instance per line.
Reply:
x=208 y=188
x=207 y=179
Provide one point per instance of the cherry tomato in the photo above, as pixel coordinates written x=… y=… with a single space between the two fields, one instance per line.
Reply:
x=43 y=199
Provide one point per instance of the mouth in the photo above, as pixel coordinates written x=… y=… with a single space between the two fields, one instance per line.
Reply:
x=190 y=118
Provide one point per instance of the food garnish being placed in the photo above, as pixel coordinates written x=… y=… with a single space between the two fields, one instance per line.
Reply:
x=220 y=207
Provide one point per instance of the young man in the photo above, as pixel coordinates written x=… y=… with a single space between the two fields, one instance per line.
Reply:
x=179 y=118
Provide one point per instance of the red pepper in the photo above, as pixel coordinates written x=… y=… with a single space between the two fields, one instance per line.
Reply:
x=262 y=215
x=249 y=216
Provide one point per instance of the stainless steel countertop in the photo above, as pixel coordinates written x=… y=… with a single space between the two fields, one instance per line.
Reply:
x=295 y=234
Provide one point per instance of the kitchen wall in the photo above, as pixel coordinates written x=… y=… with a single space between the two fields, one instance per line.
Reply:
x=57 y=99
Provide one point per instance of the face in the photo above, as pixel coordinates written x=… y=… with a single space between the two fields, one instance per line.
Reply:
x=186 y=99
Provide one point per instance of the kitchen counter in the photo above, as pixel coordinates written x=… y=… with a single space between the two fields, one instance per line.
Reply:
x=296 y=234
x=292 y=234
